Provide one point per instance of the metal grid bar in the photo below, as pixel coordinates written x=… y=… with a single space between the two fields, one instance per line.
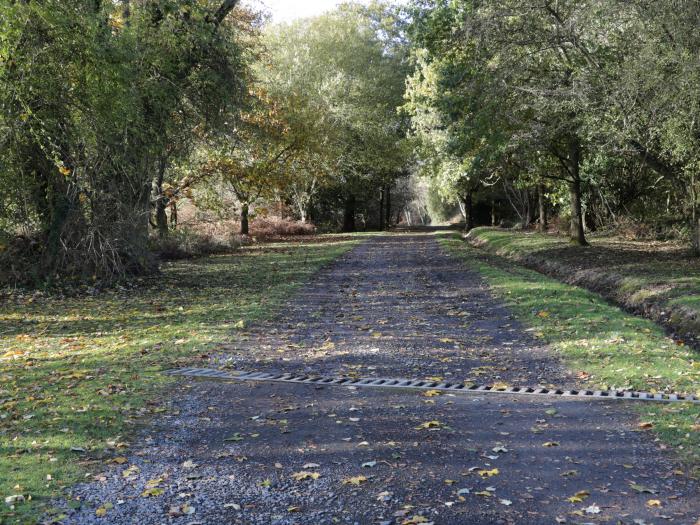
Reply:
x=417 y=384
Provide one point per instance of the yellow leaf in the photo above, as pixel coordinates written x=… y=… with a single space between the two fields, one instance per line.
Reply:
x=431 y=393
x=654 y=503
x=356 y=480
x=646 y=425
x=100 y=512
x=543 y=314
x=133 y=470
x=152 y=483
x=428 y=425
x=119 y=461
x=305 y=474
x=488 y=473
x=484 y=493
x=414 y=520
x=152 y=492
x=579 y=496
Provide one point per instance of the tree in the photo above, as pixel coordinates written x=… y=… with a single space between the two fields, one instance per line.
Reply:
x=252 y=160
x=343 y=75
x=90 y=94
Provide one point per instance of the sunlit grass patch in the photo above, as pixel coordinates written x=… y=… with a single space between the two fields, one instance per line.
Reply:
x=606 y=346
x=76 y=373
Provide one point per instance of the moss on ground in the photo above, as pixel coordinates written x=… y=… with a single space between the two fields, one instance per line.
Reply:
x=605 y=346
x=76 y=374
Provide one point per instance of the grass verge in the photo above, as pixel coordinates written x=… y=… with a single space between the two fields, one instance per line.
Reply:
x=76 y=374
x=659 y=280
x=605 y=346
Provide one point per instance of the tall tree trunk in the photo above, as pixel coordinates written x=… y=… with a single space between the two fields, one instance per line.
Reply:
x=173 y=214
x=493 y=212
x=381 y=209
x=543 y=208
x=576 y=231
x=244 y=218
x=388 y=207
x=469 y=211
x=161 y=200
x=349 y=214
x=527 y=215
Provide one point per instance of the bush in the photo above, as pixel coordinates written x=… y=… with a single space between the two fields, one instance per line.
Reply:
x=208 y=238
x=264 y=228
x=185 y=243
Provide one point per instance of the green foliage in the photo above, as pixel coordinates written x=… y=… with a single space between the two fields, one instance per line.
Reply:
x=342 y=75
x=593 y=98
x=94 y=97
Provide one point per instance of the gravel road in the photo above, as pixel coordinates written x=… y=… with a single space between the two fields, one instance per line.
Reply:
x=283 y=454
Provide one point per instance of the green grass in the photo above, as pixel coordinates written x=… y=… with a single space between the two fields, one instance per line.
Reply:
x=609 y=347
x=77 y=374
x=665 y=272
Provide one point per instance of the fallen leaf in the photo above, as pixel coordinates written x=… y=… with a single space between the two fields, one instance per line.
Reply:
x=429 y=425
x=305 y=474
x=152 y=492
x=355 y=480
x=100 y=512
x=578 y=497
x=414 y=520
x=642 y=489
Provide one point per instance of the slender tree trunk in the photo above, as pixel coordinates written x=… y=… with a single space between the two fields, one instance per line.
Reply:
x=543 y=208
x=161 y=200
x=173 y=214
x=245 y=208
x=694 y=215
x=349 y=214
x=388 y=207
x=381 y=209
x=527 y=216
x=576 y=231
x=493 y=212
x=469 y=211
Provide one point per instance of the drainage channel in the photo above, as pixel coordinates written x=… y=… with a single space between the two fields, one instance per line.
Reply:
x=417 y=384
